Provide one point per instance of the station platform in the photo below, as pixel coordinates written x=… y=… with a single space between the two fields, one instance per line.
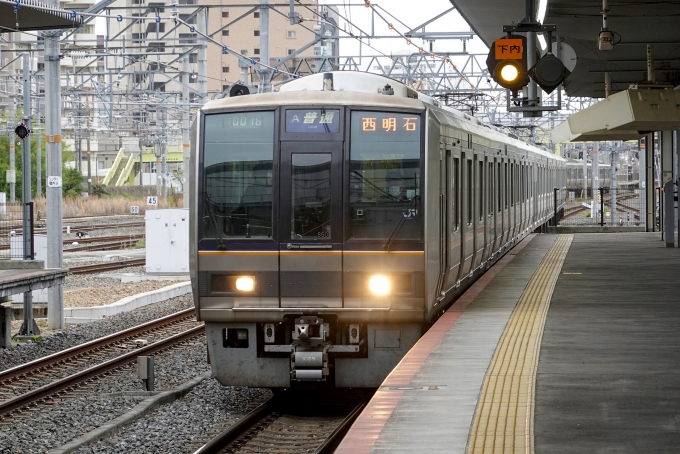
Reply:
x=568 y=344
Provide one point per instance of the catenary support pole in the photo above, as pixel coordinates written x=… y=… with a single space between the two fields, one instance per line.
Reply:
x=55 y=294
x=613 y=187
x=29 y=328
x=264 y=73
x=596 y=180
x=12 y=173
x=585 y=170
x=186 y=126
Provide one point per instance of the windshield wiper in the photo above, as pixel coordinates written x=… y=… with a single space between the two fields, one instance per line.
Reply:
x=397 y=228
x=221 y=246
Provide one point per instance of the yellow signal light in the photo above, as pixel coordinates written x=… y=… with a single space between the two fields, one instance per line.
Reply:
x=509 y=72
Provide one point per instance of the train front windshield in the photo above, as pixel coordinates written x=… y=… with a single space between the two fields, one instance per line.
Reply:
x=375 y=197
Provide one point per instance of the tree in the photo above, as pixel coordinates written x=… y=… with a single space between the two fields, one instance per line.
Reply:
x=72 y=182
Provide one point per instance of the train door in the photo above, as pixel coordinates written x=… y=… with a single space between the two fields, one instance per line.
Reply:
x=467 y=224
x=498 y=208
x=453 y=223
x=310 y=224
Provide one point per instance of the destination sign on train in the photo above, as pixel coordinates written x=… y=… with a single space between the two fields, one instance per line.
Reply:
x=312 y=120
x=386 y=126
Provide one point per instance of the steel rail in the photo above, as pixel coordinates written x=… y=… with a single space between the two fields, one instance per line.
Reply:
x=85 y=269
x=93 y=345
x=329 y=444
x=243 y=425
x=252 y=419
x=70 y=383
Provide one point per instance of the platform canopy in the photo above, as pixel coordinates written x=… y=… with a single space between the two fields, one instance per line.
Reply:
x=34 y=15
x=626 y=115
x=636 y=23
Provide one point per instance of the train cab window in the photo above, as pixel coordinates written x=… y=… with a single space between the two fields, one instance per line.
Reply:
x=311 y=195
x=384 y=176
x=236 y=181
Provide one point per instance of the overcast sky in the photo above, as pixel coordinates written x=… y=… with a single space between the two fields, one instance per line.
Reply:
x=411 y=13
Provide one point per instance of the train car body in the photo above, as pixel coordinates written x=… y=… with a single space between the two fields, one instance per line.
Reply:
x=330 y=228
x=574 y=176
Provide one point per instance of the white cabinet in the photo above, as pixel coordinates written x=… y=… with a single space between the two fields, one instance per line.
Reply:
x=167 y=241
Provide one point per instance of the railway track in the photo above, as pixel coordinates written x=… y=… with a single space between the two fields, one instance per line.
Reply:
x=37 y=376
x=108 y=266
x=87 y=241
x=292 y=423
x=42 y=228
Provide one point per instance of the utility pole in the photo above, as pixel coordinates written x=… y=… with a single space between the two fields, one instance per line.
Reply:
x=89 y=166
x=186 y=126
x=38 y=149
x=585 y=170
x=613 y=186
x=55 y=241
x=596 y=180
x=12 y=173
x=263 y=72
x=29 y=327
x=202 y=28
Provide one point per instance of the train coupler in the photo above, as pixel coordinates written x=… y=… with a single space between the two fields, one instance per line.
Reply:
x=309 y=349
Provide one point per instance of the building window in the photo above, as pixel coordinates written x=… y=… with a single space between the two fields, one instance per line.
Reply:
x=225 y=13
x=193 y=58
x=188 y=2
x=256 y=14
x=156 y=27
x=188 y=18
x=225 y=69
x=41 y=66
x=291 y=34
x=225 y=32
x=256 y=51
x=256 y=32
x=187 y=38
x=244 y=52
x=137 y=2
x=291 y=51
x=225 y=88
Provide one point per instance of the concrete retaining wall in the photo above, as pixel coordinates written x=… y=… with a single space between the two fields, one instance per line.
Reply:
x=88 y=314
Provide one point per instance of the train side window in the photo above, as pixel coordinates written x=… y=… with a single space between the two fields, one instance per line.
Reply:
x=507 y=189
x=512 y=184
x=480 y=194
x=470 y=207
x=499 y=187
x=489 y=189
x=455 y=188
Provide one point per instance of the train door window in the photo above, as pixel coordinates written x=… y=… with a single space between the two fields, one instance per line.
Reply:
x=489 y=189
x=310 y=195
x=499 y=187
x=455 y=185
x=512 y=184
x=480 y=194
x=470 y=191
x=237 y=172
x=507 y=189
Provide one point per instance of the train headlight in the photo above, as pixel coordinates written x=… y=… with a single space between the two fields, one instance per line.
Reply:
x=245 y=284
x=379 y=285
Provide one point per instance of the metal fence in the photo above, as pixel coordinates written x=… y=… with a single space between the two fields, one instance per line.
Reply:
x=619 y=207
x=12 y=217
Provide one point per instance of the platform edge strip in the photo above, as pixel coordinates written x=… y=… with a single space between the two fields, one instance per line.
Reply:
x=504 y=419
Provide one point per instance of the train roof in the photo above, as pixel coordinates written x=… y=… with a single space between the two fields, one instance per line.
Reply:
x=355 y=88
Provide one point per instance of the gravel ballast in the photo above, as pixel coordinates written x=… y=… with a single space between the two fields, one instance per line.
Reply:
x=77 y=334
x=172 y=428
x=54 y=425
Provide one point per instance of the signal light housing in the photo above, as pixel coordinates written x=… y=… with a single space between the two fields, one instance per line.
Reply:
x=22 y=131
x=549 y=72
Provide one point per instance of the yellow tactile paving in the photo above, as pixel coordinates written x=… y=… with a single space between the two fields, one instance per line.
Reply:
x=504 y=420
